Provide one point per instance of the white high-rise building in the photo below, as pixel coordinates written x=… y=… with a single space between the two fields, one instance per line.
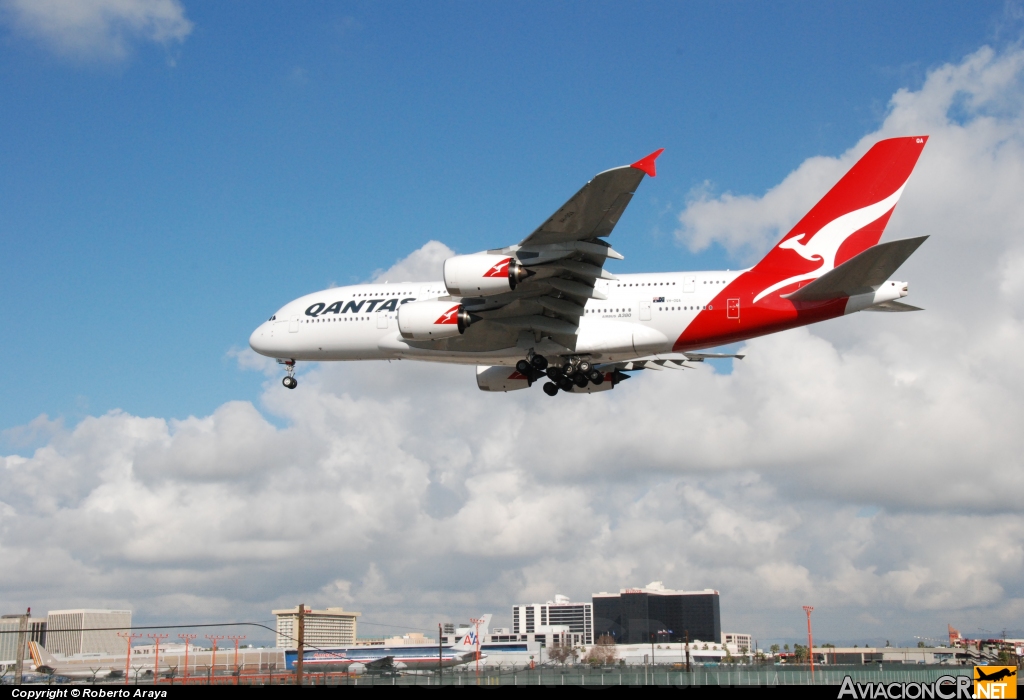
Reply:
x=87 y=631
x=538 y=617
x=9 y=627
x=333 y=627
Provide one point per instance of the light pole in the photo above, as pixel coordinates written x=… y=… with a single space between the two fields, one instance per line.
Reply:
x=235 y=640
x=810 y=639
x=476 y=635
x=187 y=638
x=129 y=637
x=213 y=661
x=156 y=658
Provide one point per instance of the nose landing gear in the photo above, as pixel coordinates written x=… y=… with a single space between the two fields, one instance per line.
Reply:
x=289 y=366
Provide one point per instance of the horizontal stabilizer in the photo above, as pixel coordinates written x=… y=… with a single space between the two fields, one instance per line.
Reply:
x=861 y=274
x=891 y=306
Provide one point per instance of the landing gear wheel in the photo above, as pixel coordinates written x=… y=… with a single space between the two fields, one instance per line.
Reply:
x=596 y=376
x=554 y=374
x=565 y=384
x=568 y=369
x=540 y=362
x=581 y=380
x=550 y=389
x=289 y=367
x=523 y=367
x=584 y=366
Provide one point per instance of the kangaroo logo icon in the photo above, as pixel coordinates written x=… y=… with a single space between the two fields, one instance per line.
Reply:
x=449 y=316
x=499 y=270
x=824 y=245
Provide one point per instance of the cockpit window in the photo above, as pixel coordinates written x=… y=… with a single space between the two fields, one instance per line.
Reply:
x=274 y=317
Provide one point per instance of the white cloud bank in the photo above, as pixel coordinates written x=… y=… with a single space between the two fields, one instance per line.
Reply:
x=871 y=466
x=102 y=29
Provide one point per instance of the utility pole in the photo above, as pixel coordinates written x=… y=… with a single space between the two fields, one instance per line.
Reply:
x=440 y=655
x=687 y=651
x=19 y=665
x=156 y=659
x=128 y=637
x=810 y=639
x=238 y=671
x=187 y=638
x=301 y=644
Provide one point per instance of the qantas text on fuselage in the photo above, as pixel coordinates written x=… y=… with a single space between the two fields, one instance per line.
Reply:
x=547 y=308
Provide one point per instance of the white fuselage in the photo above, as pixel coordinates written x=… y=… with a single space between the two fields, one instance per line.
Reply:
x=643 y=314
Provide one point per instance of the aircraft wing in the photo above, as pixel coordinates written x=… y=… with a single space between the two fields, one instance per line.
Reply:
x=564 y=257
x=384 y=663
x=595 y=209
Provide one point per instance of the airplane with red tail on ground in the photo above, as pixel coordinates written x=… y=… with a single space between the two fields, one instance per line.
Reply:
x=548 y=309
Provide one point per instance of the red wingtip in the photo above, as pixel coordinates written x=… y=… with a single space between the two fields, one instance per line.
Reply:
x=646 y=164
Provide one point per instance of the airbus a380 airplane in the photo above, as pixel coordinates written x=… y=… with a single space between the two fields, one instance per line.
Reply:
x=547 y=307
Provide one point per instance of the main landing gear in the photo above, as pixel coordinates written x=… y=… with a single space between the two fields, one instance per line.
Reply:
x=573 y=372
x=289 y=366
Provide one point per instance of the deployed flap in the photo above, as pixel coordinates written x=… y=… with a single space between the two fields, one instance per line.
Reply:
x=861 y=274
x=596 y=208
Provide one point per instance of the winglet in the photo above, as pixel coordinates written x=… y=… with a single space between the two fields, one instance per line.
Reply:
x=646 y=164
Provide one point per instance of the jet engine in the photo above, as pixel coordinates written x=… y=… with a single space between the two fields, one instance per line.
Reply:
x=483 y=274
x=432 y=320
x=500 y=378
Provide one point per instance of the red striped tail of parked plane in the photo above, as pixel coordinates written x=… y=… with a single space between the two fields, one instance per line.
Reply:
x=547 y=307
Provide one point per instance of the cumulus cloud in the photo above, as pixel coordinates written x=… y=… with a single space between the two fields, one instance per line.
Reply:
x=869 y=466
x=102 y=29
x=422 y=265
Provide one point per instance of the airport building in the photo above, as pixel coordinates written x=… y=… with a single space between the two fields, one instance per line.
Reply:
x=577 y=618
x=656 y=613
x=742 y=642
x=333 y=627
x=71 y=632
x=9 y=627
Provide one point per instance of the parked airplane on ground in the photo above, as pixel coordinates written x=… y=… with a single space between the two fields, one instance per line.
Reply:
x=382 y=659
x=96 y=668
x=548 y=307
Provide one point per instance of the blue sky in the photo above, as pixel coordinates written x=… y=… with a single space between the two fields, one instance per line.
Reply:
x=156 y=206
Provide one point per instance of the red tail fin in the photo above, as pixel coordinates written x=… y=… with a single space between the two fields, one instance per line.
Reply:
x=847 y=220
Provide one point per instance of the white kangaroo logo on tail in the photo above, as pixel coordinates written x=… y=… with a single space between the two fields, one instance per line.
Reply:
x=824 y=245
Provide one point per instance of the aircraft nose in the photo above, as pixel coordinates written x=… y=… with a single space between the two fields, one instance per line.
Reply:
x=260 y=339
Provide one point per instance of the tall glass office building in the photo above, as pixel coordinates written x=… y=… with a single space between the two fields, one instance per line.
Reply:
x=655 y=613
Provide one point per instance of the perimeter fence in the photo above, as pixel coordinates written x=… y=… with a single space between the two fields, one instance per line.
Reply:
x=617 y=675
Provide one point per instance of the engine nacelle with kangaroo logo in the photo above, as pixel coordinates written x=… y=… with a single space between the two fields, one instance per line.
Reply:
x=432 y=320
x=482 y=274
